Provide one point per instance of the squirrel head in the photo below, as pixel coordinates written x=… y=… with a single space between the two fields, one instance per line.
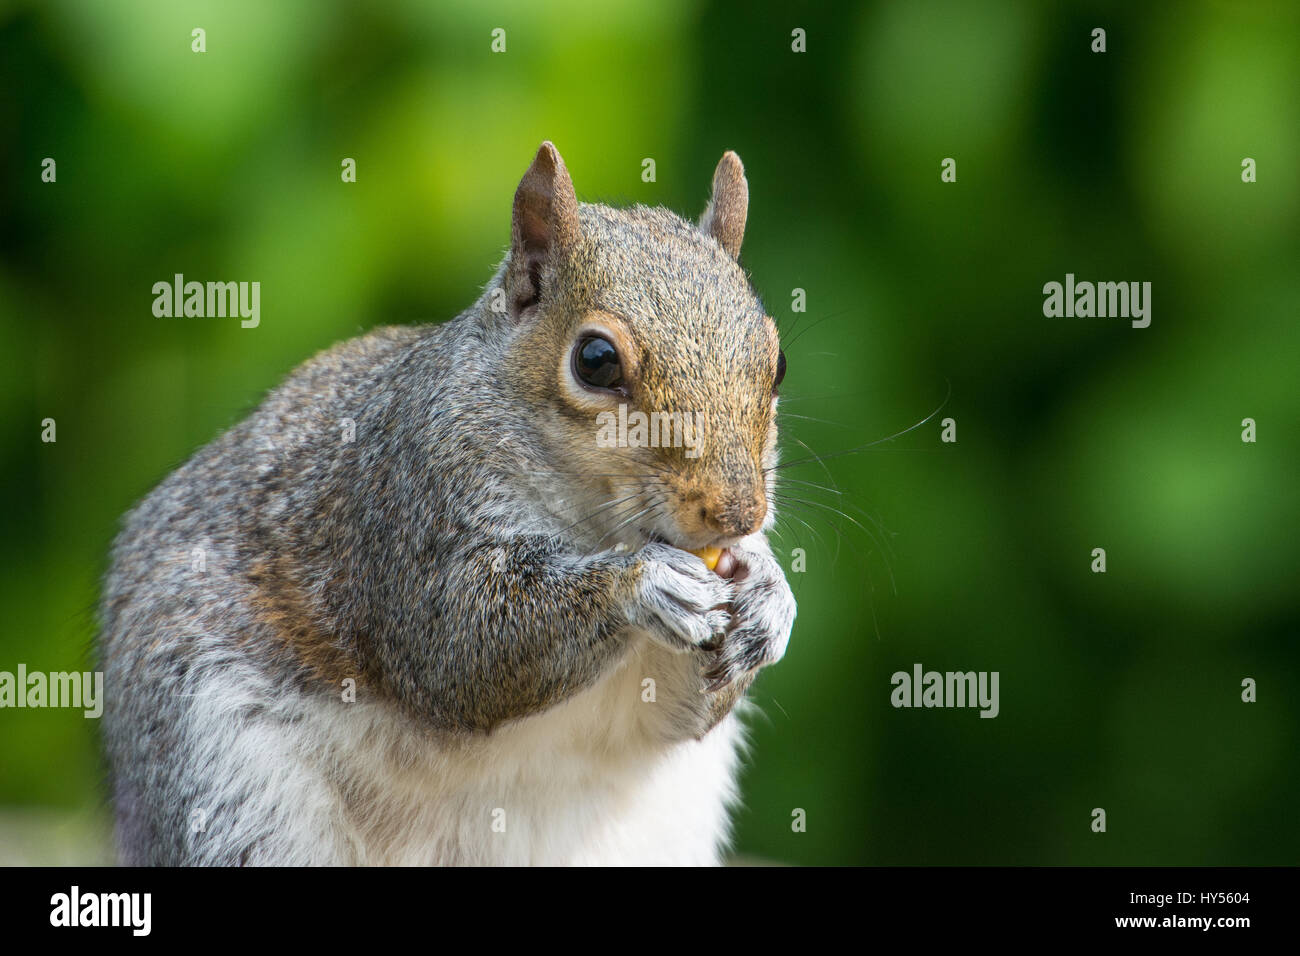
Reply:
x=647 y=363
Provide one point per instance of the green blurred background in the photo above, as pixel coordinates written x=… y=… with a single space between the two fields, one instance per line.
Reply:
x=1118 y=690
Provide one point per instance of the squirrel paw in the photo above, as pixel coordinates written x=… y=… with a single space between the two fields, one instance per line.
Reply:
x=762 y=614
x=680 y=602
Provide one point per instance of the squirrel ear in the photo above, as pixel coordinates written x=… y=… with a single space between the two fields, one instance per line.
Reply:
x=545 y=224
x=724 y=216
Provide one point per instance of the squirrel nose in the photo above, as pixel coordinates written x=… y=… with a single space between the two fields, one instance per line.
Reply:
x=734 y=516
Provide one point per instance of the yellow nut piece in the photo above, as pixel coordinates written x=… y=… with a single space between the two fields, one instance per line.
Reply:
x=709 y=556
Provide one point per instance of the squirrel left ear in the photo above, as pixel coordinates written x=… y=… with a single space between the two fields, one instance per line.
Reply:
x=724 y=216
x=544 y=224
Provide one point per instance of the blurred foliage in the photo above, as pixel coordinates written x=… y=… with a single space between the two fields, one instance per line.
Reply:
x=1118 y=690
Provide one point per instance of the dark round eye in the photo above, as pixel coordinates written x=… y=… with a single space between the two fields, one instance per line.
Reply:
x=780 y=370
x=595 y=363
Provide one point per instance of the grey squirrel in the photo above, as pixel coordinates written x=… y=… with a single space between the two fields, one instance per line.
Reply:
x=412 y=611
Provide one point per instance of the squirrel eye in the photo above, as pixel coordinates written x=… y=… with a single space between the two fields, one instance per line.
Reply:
x=780 y=370
x=596 y=363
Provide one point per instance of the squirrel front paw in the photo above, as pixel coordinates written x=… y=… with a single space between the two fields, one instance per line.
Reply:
x=679 y=601
x=762 y=616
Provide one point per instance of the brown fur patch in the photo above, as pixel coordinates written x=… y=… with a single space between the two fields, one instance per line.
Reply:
x=281 y=605
x=722 y=703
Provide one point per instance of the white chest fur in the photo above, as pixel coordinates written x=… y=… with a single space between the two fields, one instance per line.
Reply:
x=595 y=780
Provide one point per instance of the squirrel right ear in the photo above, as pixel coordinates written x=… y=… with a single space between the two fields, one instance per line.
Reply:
x=545 y=224
x=724 y=216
